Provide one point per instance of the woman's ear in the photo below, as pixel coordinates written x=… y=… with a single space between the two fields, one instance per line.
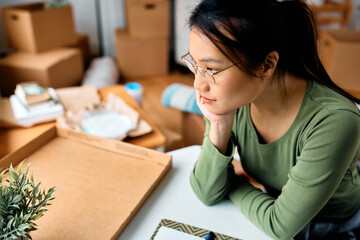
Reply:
x=269 y=65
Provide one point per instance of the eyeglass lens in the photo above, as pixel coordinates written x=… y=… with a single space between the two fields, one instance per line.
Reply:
x=195 y=69
x=190 y=66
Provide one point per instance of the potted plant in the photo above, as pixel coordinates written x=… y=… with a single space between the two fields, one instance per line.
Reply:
x=21 y=203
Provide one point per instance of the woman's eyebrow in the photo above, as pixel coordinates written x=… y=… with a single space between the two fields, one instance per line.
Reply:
x=208 y=60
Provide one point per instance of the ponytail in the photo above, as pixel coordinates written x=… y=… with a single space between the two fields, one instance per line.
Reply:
x=300 y=46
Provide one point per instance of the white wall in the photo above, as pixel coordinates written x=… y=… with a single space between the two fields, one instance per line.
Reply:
x=182 y=10
x=85 y=21
x=355 y=17
x=112 y=17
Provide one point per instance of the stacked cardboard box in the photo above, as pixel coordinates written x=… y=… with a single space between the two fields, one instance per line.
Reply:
x=83 y=43
x=40 y=37
x=143 y=48
x=339 y=51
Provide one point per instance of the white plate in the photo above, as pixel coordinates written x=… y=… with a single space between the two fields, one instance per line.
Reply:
x=107 y=124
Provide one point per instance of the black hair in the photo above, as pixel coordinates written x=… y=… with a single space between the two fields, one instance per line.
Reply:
x=258 y=27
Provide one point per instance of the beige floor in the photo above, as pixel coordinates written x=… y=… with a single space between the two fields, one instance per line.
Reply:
x=167 y=119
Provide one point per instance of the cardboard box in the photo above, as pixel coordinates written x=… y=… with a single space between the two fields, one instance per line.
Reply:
x=100 y=184
x=32 y=28
x=83 y=44
x=148 y=18
x=339 y=51
x=56 y=68
x=193 y=128
x=141 y=57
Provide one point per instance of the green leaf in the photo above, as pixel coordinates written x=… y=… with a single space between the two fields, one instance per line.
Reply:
x=17 y=199
x=20 y=233
x=2 y=175
x=20 y=167
x=36 y=189
x=8 y=226
x=13 y=174
x=26 y=217
x=35 y=217
x=51 y=190
x=22 y=227
x=32 y=176
x=21 y=203
x=14 y=206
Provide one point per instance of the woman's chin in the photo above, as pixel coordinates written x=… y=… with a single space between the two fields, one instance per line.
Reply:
x=217 y=111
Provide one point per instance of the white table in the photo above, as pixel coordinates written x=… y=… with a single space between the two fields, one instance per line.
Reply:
x=174 y=199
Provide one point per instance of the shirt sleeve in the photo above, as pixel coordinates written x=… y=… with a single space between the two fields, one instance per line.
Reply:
x=329 y=148
x=212 y=172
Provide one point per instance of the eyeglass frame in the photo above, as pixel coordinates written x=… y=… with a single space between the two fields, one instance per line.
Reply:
x=201 y=69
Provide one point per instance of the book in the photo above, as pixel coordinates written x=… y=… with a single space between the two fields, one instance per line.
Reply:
x=41 y=114
x=31 y=93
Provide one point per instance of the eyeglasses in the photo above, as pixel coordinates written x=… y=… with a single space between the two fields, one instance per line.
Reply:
x=208 y=75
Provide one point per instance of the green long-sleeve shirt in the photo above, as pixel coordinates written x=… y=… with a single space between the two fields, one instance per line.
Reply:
x=310 y=172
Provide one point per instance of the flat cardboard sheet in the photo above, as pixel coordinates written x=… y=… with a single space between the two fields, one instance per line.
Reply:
x=85 y=97
x=100 y=183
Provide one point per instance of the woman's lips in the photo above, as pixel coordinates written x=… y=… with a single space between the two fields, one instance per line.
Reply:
x=206 y=100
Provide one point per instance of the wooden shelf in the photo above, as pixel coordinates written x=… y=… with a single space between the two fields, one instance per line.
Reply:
x=326 y=12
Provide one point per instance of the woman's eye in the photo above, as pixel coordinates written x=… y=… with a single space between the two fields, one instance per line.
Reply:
x=212 y=70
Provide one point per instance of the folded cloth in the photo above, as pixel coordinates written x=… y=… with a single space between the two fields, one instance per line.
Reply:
x=181 y=97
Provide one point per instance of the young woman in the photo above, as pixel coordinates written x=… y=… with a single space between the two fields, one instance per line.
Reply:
x=262 y=88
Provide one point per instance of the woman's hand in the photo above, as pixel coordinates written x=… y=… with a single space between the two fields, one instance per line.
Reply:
x=220 y=125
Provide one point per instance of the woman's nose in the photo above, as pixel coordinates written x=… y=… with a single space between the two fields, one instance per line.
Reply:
x=200 y=82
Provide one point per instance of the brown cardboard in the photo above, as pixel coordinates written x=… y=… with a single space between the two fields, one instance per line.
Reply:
x=100 y=184
x=14 y=138
x=193 y=128
x=32 y=28
x=7 y=118
x=85 y=97
x=141 y=57
x=339 y=51
x=83 y=44
x=61 y=67
x=148 y=18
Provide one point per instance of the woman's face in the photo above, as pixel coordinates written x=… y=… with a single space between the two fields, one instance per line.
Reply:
x=232 y=89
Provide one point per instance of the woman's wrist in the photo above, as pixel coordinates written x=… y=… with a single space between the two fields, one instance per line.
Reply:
x=219 y=135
